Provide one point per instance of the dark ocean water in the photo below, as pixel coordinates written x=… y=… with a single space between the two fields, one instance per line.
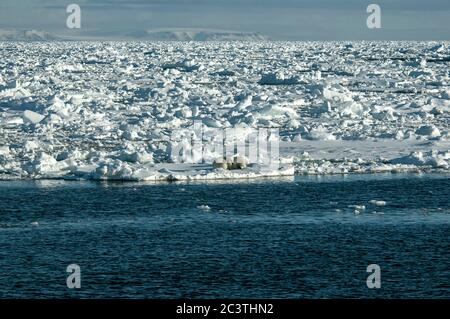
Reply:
x=260 y=239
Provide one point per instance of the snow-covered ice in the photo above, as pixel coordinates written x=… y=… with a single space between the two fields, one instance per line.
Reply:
x=109 y=110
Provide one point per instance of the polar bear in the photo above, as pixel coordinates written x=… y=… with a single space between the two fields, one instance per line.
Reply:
x=234 y=163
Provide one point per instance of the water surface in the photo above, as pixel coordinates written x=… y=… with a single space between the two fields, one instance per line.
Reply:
x=271 y=238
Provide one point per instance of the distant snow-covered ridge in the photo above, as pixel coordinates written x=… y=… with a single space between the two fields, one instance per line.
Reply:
x=27 y=35
x=198 y=35
x=140 y=35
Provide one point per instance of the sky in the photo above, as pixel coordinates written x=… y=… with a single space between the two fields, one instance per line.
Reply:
x=277 y=19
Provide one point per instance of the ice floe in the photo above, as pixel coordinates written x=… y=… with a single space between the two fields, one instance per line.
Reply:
x=118 y=110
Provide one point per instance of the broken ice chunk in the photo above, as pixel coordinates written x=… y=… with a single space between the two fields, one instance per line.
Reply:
x=321 y=134
x=429 y=130
x=32 y=117
x=278 y=79
x=337 y=93
x=378 y=202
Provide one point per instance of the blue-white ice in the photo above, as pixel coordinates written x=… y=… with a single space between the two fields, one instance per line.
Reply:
x=107 y=110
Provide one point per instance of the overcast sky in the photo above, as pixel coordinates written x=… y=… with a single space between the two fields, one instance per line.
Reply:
x=278 y=19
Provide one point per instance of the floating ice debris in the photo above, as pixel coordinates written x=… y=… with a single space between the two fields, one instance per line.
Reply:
x=204 y=208
x=378 y=202
x=34 y=224
x=358 y=207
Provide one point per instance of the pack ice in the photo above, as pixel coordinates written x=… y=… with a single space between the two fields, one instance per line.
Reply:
x=109 y=110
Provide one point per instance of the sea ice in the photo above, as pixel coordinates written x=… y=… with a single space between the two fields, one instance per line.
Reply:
x=32 y=117
x=112 y=110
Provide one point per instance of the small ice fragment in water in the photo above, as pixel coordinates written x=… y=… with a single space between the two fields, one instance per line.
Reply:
x=204 y=208
x=358 y=207
x=378 y=202
x=35 y=223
